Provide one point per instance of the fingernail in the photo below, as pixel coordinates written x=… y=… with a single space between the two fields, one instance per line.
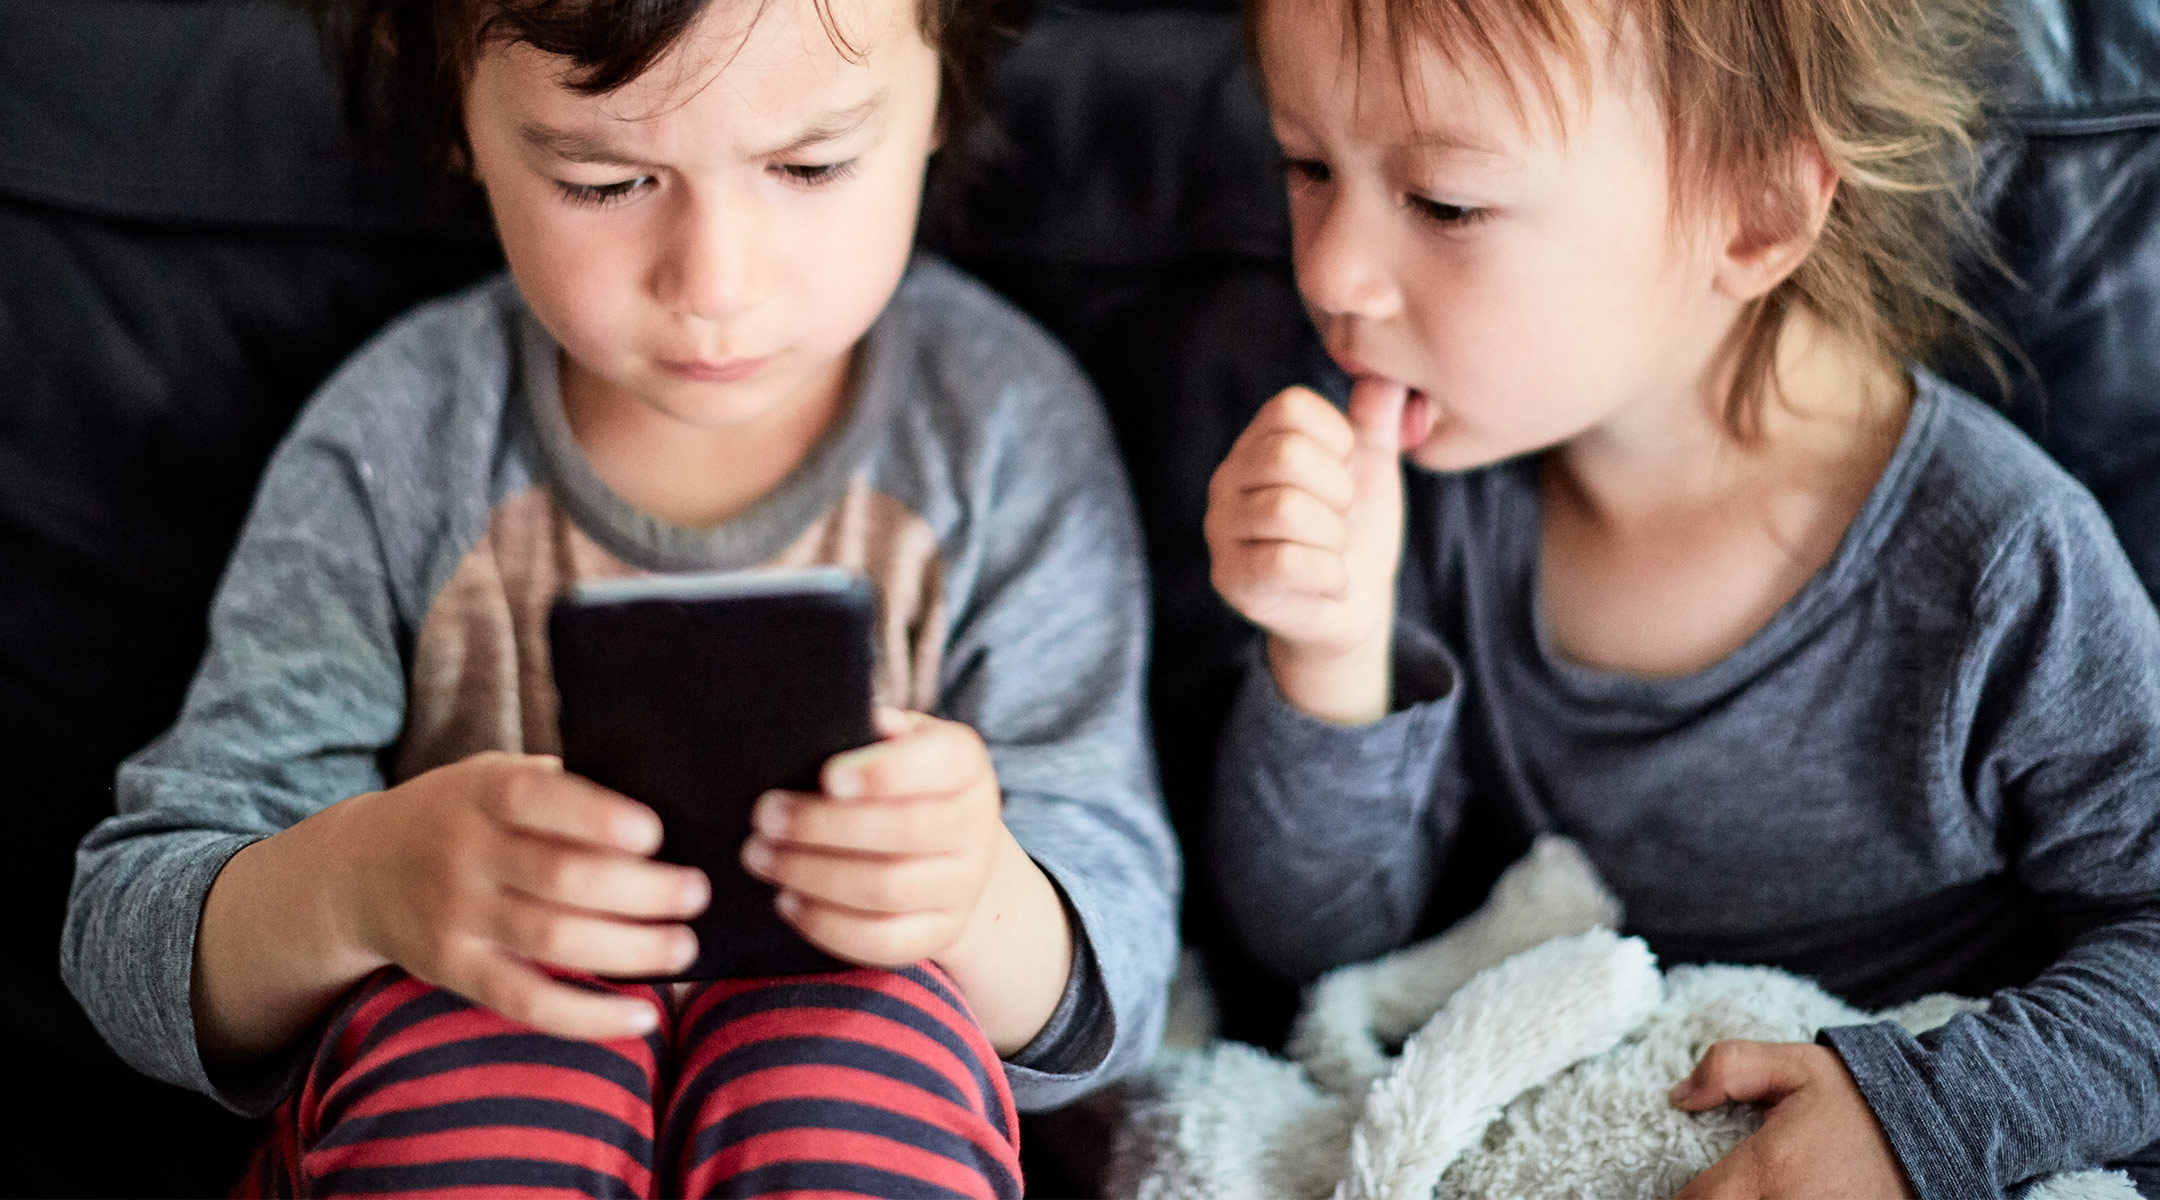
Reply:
x=757 y=856
x=788 y=903
x=771 y=814
x=637 y=830
x=697 y=892
x=843 y=779
x=1678 y=1093
x=646 y=1020
x=685 y=950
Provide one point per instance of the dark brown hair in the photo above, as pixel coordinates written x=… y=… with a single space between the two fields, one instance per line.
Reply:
x=1883 y=88
x=406 y=63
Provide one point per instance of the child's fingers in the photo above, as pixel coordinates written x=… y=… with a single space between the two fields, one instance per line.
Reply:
x=1737 y=1176
x=528 y=996
x=932 y=758
x=536 y=795
x=1376 y=416
x=1286 y=458
x=1307 y=412
x=573 y=875
x=878 y=940
x=892 y=722
x=905 y=825
x=1283 y=514
x=1741 y=1072
x=575 y=941
x=864 y=883
x=1259 y=570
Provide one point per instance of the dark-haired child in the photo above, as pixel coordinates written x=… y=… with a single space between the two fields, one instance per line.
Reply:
x=1824 y=664
x=351 y=884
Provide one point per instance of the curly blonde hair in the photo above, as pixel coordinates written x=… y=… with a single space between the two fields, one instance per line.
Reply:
x=1884 y=89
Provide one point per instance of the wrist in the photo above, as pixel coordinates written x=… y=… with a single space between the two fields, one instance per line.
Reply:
x=348 y=914
x=1013 y=957
x=1006 y=893
x=1349 y=685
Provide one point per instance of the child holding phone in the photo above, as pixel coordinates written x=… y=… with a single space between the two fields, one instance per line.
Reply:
x=353 y=880
x=1824 y=664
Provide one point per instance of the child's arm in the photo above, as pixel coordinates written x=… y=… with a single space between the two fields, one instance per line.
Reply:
x=2061 y=764
x=232 y=897
x=1051 y=800
x=1319 y=835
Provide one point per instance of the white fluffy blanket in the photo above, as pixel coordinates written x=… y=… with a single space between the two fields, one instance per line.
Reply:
x=1540 y=1047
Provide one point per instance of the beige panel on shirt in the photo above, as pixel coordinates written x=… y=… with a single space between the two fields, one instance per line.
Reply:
x=481 y=676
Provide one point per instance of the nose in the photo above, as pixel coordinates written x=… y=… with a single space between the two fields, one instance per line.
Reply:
x=1344 y=264
x=708 y=265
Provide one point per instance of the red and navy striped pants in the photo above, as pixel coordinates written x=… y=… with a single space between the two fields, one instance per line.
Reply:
x=862 y=1082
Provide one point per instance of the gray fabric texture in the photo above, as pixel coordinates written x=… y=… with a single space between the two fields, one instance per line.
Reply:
x=1936 y=768
x=962 y=410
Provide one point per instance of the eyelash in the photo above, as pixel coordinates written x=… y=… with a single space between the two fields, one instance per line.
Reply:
x=1452 y=216
x=817 y=175
x=600 y=195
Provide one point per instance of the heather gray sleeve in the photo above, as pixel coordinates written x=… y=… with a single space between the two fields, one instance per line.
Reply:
x=1322 y=838
x=301 y=687
x=1047 y=659
x=2062 y=765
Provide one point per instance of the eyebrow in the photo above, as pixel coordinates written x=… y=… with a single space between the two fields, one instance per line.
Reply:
x=581 y=147
x=832 y=126
x=573 y=146
x=1453 y=141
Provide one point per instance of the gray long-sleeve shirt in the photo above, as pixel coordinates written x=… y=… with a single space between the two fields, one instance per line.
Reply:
x=1936 y=768
x=385 y=613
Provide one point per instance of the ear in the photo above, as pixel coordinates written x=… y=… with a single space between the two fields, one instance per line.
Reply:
x=1770 y=233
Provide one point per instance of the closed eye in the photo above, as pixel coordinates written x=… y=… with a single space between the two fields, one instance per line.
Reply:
x=816 y=175
x=1454 y=215
x=597 y=195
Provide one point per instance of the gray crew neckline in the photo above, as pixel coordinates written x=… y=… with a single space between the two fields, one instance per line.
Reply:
x=1816 y=600
x=750 y=538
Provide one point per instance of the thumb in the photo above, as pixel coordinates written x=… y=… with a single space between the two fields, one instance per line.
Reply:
x=1741 y=1072
x=1376 y=412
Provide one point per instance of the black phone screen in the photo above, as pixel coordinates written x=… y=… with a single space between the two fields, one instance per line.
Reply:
x=694 y=694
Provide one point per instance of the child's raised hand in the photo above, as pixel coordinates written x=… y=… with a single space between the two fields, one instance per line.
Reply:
x=892 y=862
x=1304 y=527
x=480 y=876
x=1819 y=1137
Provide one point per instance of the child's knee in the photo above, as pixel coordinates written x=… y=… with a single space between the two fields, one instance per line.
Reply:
x=812 y=1080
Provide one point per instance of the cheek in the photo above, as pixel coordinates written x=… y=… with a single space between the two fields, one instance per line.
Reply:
x=579 y=276
x=849 y=250
x=1526 y=341
x=1495 y=318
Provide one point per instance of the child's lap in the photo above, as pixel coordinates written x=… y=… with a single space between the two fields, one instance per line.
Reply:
x=866 y=1080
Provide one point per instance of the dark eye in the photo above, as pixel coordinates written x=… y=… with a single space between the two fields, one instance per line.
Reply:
x=598 y=194
x=817 y=174
x=1445 y=214
x=1305 y=170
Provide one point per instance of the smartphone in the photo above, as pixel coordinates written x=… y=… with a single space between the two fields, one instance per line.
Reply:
x=695 y=694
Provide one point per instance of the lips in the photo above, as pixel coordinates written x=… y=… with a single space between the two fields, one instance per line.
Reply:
x=733 y=370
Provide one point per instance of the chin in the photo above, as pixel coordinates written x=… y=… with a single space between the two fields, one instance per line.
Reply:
x=709 y=406
x=1447 y=450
